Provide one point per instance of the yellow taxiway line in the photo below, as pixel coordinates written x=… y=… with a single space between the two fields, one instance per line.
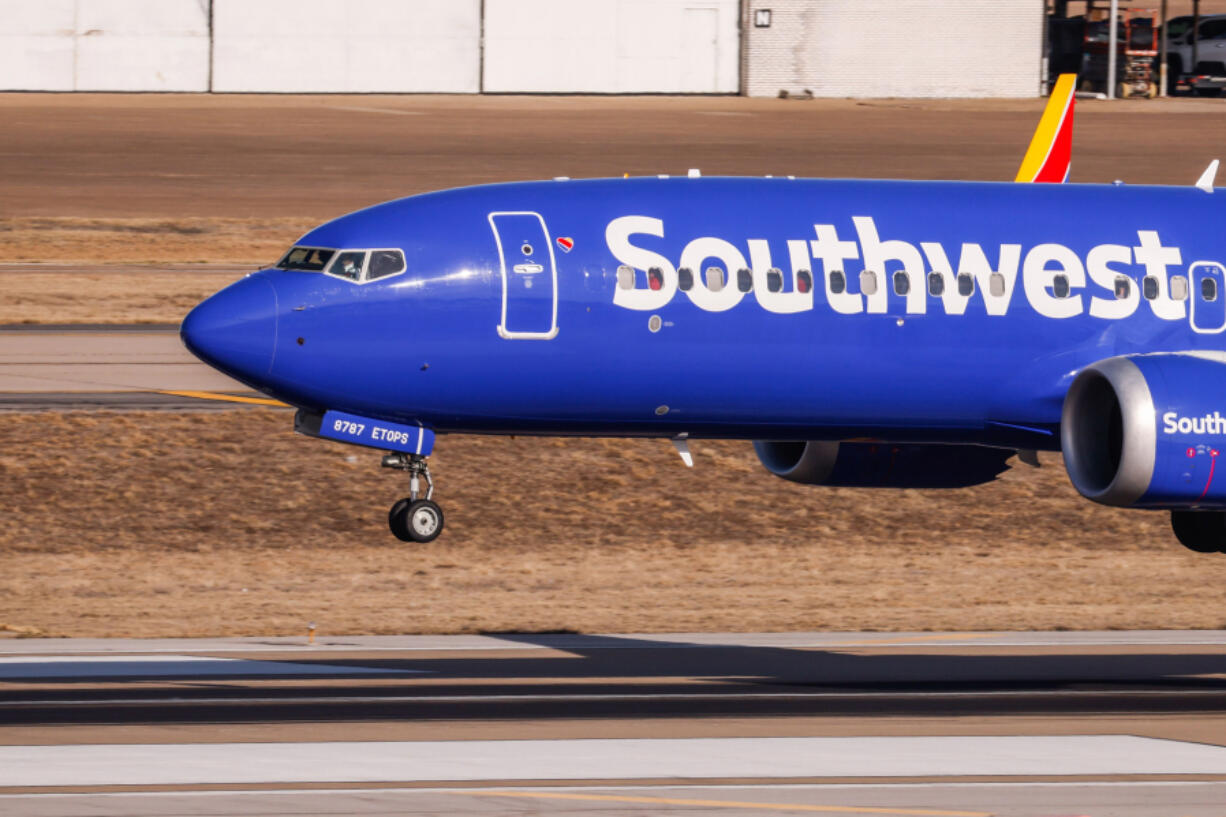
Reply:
x=677 y=801
x=229 y=398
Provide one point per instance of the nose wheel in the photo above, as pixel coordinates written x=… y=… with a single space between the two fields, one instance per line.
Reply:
x=414 y=518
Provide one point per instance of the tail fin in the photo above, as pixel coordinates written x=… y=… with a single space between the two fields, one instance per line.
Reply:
x=1051 y=149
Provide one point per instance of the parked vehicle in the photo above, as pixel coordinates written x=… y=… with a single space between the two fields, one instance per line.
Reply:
x=1204 y=73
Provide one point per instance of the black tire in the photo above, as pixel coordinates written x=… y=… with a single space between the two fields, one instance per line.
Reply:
x=423 y=521
x=1208 y=91
x=397 y=522
x=1201 y=531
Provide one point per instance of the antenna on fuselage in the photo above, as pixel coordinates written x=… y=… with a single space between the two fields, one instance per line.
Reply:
x=1206 y=180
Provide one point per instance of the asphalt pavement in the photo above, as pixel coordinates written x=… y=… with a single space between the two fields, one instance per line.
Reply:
x=840 y=723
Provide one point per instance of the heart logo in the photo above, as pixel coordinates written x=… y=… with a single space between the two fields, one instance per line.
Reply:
x=567 y=244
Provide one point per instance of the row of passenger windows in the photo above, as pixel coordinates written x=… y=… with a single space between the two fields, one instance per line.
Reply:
x=353 y=265
x=714 y=279
x=964 y=283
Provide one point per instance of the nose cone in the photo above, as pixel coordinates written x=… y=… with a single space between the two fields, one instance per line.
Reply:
x=235 y=331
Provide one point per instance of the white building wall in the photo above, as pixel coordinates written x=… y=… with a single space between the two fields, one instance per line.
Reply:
x=612 y=46
x=346 y=46
x=104 y=45
x=895 y=48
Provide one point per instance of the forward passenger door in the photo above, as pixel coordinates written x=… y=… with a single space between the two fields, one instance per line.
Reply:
x=529 y=276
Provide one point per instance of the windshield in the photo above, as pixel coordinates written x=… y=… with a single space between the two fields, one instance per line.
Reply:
x=309 y=259
x=358 y=266
x=349 y=265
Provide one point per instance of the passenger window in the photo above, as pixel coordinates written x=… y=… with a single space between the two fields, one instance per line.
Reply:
x=1208 y=289
x=1060 y=286
x=996 y=285
x=384 y=263
x=1179 y=288
x=804 y=281
x=966 y=284
x=1149 y=287
x=655 y=279
x=774 y=280
x=936 y=284
x=307 y=259
x=348 y=265
x=685 y=279
x=838 y=282
x=625 y=277
x=1123 y=287
x=715 y=278
x=744 y=280
x=902 y=283
x=868 y=282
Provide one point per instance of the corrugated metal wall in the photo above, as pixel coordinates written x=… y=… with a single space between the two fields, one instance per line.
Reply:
x=104 y=45
x=612 y=46
x=904 y=48
x=860 y=48
x=346 y=46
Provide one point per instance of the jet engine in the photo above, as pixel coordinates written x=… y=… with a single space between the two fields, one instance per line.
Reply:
x=882 y=465
x=1146 y=431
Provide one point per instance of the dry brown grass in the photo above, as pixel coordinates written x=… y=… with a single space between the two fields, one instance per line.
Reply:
x=104 y=297
x=66 y=240
x=226 y=523
x=105 y=293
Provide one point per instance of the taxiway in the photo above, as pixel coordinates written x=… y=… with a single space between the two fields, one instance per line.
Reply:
x=840 y=723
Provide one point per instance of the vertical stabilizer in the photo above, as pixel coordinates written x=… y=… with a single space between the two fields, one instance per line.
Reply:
x=1051 y=149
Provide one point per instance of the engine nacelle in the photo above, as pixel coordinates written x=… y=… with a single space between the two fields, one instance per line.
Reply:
x=882 y=465
x=1145 y=431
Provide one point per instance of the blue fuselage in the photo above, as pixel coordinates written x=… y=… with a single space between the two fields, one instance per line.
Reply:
x=733 y=307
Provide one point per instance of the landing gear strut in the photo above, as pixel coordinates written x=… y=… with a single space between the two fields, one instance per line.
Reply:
x=414 y=519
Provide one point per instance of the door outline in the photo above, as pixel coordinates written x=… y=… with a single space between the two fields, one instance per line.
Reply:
x=503 y=331
x=1194 y=295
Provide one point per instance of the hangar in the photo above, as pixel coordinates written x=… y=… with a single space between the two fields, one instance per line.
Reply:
x=862 y=48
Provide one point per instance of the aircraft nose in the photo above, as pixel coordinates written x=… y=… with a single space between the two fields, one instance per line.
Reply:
x=236 y=329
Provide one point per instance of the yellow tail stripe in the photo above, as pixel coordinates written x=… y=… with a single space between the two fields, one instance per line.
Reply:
x=1049 y=126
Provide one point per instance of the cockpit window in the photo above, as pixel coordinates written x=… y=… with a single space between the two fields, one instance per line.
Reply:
x=308 y=259
x=358 y=266
x=383 y=263
x=348 y=264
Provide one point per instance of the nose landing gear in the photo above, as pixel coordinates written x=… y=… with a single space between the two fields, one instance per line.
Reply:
x=414 y=519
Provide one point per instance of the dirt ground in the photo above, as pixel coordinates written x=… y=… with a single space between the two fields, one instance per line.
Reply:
x=159 y=524
x=226 y=523
x=113 y=179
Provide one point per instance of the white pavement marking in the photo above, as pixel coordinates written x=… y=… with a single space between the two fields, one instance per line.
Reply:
x=634 y=787
x=366 y=109
x=693 y=758
x=165 y=666
x=615 y=641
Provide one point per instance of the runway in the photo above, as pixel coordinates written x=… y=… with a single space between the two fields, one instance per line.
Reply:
x=113 y=366
x=839 y=723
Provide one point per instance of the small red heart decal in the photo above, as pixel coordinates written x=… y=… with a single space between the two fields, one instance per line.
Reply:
x=567 y=244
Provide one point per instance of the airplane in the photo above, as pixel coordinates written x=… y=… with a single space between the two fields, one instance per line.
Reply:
x=913 y=334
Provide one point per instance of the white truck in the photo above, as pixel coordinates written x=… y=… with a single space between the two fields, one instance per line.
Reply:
x=1204 y=74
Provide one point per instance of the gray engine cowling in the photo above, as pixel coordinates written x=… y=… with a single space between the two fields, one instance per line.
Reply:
x=882 y=465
